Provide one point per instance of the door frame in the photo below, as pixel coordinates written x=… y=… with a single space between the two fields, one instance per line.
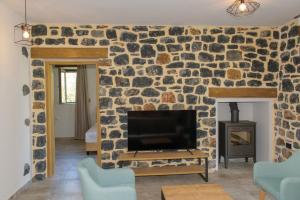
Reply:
x=50 y=108
x=67 y=56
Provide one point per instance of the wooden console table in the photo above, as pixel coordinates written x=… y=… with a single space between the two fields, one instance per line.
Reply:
x=168 y=170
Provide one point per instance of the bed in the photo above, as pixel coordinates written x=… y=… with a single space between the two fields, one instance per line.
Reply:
x=91 y=140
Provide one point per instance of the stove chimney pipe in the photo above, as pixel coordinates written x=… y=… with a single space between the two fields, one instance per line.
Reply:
x=234 y=112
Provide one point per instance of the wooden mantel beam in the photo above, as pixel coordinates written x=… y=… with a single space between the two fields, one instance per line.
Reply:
x=242 y=92
x=68 y=53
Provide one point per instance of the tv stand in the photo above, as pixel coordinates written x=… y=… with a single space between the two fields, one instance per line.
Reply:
x=135 y=153
x=190 y=151
x=168 y=170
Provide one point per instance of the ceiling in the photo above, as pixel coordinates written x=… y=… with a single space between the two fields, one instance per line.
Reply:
x=153 y=12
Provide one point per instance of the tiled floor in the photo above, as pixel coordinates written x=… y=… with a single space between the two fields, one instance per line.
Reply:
x=237 y=180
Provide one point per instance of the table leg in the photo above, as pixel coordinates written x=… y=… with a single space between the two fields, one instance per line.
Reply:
x=205 y=177
x=206 y=169
x=226 y=162
x=162 y=195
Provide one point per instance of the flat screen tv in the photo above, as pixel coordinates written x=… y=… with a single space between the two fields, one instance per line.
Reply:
x=161 y=130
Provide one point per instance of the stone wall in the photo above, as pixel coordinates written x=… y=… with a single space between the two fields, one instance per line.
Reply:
x=287 y=118
x=39 y=139
x=159 y=67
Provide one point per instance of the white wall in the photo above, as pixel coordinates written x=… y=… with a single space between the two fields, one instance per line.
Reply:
x=15 y=142
x=246 y=111
x=64 y=114
x=262 y=115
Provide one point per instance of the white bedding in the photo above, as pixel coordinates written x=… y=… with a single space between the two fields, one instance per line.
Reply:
x=91 y=135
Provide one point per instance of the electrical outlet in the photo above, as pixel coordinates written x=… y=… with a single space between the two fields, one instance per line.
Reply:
x=288 y=145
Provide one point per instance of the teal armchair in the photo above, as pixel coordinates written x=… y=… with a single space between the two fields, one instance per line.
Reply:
x=106 y=184
x=281 y=180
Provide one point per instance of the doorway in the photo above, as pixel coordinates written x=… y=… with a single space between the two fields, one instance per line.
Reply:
x=64 y=55
x=66 y=149
x=69 y=147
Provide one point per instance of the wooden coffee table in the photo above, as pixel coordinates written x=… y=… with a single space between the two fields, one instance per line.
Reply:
x=194 y=192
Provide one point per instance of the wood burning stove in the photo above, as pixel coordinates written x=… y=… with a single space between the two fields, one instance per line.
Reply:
x=236 y=138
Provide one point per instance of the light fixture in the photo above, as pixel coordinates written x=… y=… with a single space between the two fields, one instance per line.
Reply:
x=22 y=31
x=243 y=7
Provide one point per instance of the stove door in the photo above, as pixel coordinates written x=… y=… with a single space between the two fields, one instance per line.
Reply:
x=240 y=141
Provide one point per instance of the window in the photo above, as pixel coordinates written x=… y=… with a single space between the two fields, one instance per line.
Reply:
x=67 y=84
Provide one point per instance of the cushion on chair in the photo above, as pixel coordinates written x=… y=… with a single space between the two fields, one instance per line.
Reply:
x=270 y=185
x=92 y=168
x=110 y=184
x=282 y=180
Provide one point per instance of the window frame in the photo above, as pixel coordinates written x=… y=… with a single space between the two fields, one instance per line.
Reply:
x=66 y=69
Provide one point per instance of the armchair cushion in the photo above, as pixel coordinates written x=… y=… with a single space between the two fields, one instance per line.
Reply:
x=118 y=176
x=267 y=169
x=105 y=184
x=282 y=180
x=290 y=188
x=112 y=193
x=270 y=185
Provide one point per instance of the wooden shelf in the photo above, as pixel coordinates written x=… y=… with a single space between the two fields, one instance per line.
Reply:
x=168 y=170
x=242 y=92
x=144 y=156
x=64 y=53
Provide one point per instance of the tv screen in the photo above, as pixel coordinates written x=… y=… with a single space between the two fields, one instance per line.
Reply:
x=161 y=130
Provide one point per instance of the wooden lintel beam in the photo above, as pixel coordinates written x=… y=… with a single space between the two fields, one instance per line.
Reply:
x=68 y=53
x=243 y=92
